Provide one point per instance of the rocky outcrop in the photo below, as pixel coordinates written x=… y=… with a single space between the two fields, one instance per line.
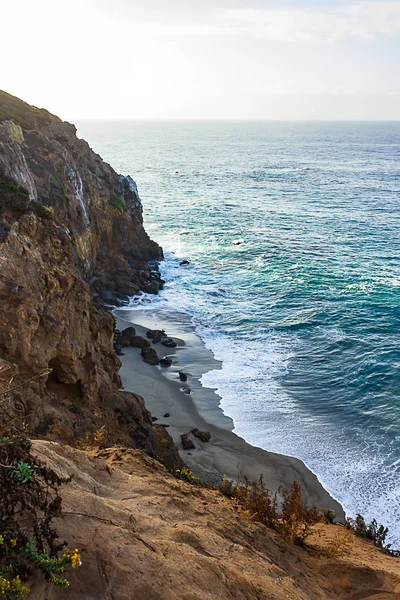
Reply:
x=71 y=241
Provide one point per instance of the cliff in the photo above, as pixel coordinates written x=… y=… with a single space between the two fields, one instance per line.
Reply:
x=143 y=534
x=71 y=240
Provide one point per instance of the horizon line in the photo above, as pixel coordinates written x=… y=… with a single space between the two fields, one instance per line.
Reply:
x=233 y=120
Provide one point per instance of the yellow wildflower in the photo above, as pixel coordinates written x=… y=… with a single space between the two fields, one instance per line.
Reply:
x=1 y=540
x=13 y=542
x=74 y=557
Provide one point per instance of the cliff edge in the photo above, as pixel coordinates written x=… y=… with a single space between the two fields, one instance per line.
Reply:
x=143 y=534
x=71 y=241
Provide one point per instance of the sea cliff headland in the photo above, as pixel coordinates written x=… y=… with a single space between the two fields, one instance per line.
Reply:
x=72 y=248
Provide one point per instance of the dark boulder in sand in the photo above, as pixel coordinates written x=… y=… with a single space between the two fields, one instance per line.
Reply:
x=204 y=436
x=123 y=342
x=184 y=262
x=182 y=376
x=187 y=443
x=124 y=339
x=156 y=335
x=185 y=390
x=149 y=356
x=138 y=341
x=129 y=332
x=166 y=415
x=168 y=342
x=166 y=362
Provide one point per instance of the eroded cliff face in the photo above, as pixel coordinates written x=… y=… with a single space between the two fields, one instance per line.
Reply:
x=71 y=240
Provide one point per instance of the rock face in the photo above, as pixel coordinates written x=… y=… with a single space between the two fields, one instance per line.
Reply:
x=71 y=240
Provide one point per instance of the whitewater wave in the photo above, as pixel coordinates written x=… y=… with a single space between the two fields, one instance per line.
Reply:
x=249 y=382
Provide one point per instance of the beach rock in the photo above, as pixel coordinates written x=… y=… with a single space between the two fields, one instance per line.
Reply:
x=154 y=419
x=182 y=376
x=166 y=415
x=152 y=287
x=129 y=331
x=186 y=390
x=156 y=335
x=187 y=443
x=204 y=436
x=138 y=341
x=166 y=361
x=168 y=342
x=125 y=338
x=149 y=356
x=123 y=342
x=184 y=262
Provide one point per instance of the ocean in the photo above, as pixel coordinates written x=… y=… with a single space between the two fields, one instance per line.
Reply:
x=292 y=230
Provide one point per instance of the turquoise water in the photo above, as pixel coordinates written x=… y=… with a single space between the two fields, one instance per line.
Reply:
x=305 y=313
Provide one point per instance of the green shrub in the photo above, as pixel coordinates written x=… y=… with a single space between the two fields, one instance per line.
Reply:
x=370 y=531
x=8 y=187
x=29 y=503
x=48 y=211
x=329 y=517
x=117 y=202
x=186 y=475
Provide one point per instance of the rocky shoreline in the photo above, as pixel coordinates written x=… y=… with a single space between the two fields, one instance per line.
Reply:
x=202 y=433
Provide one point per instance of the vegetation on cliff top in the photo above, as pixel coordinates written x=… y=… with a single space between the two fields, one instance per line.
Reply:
x=29 y=502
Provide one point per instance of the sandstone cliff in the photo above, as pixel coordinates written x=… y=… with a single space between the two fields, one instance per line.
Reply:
x=71 y=239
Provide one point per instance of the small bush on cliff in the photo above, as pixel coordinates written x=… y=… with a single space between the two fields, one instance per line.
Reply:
x=29 y=503
x=48 y=211
x=9 y=187
x=186 y=475
x=117 y=202
x=294 y=519
x=370 y=531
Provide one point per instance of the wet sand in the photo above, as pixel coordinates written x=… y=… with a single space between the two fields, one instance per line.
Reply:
x=226 y=453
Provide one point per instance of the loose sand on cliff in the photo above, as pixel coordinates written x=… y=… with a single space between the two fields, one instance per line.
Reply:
x=226 y=453
x=144 y=535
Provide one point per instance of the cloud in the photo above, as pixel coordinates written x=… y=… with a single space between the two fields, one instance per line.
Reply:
x=365 y=20
x=361 y=21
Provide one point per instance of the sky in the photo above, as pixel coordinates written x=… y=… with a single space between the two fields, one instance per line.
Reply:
x=213 y=59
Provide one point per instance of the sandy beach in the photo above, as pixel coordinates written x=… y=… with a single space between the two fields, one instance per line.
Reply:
x=164 y=393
